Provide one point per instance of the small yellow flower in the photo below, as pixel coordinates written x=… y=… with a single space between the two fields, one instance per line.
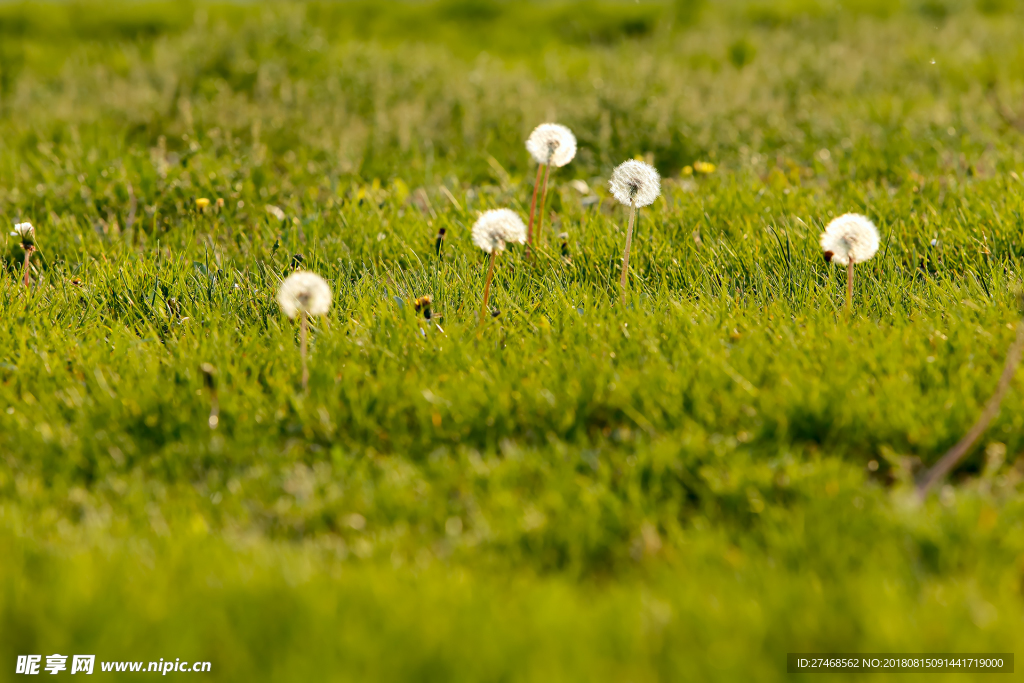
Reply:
x=687 y=170
x=703 y=167
x=202 y=203
x=422 y=304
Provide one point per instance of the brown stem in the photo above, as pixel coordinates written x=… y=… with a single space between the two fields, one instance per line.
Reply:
x=302 y=337
x=28 y=256
x=625 y=255
x=487 y=289
x=952 y=457
x=533 y=208
x=849 y=286
x=543 y=198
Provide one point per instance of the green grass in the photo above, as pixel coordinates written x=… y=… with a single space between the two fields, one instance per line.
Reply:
x=685 y=486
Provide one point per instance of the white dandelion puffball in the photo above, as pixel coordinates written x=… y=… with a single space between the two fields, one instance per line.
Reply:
x=25 y=231
x=850 y=237
x=304 y=292
x=634 y=180
x=554 y=141
x=496 y=228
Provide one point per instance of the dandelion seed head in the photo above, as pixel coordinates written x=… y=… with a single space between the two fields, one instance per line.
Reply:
x=496 y=228
x=304 y=292
x=552 y=141
x=634 y=180
x=850 y=237
x=25 y=231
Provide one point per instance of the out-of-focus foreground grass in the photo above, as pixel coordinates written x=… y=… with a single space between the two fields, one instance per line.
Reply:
x=689 y=485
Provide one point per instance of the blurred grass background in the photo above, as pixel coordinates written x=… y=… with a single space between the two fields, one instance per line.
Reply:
x=688 y=486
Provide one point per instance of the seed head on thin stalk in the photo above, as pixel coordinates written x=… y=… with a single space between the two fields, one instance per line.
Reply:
x=491 y=232
x=550 y=144
x=27 y=234
x=439 y=240
x=849 y=239
x=304 y=294
x=635 y=184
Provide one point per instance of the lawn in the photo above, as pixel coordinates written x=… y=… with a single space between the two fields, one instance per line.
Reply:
x=685 y=482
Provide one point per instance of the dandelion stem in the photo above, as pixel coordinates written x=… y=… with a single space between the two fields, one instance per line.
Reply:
x=28 y=255
x=849 y=286
x=302 y=343
x=487 y=288
x=533 y=208
x=953 y=456
x=625 y=255
x=543 y=198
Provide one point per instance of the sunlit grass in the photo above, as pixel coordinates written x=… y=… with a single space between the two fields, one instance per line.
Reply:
x=585 y=488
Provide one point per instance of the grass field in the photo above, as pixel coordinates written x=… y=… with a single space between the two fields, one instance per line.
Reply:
x=685 y=485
